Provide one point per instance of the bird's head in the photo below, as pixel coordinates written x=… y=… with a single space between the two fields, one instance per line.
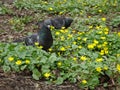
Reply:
x=68 y=21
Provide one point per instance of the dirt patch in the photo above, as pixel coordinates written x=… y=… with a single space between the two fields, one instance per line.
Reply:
x=24 y=81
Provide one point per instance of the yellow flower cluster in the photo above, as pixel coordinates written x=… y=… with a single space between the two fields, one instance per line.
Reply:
x=104 y=51
x=92 y=46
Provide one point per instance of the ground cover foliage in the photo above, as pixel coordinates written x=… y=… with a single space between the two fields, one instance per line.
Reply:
x=87 y=53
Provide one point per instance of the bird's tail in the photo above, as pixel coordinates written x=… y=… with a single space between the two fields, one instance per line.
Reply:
x=19 y=40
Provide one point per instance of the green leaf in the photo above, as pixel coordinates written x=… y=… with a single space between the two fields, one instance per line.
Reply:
x=36 y=74
x=23 y=67
x=45 y=68
x=59 y=80
x=52 y=58
x=6 y=68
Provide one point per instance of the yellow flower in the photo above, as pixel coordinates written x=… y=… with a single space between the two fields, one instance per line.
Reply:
x=99 y=11
x=80 y=33
x=84 y=82
x=62 y=31
x=63 y=28
x=105 y=43
x=105 y=68
x=85 y=39
x=27 y=61
x=99 y=46
x=60 y=13
x=40 y=47
x=106 y=51
x=50 y=9
x=70 y=35
x=47 y=75
x=11 y=58
x=102 y=52
x=62 y=38
x=118 y=55
x=66 y=30
x=62 y=49
x=59 y=64
x=83 y=58
x=52 y=27
x=57 y=33
x=18 y=62
x=74 y=43
x=103 y=38
x=98 y=69
x=45 y=2
x=58 y=53
x=90 y=27
x=89 y=16
x=90 y=46
x=106 y=29
x=97 y=27
x=95 y=41
x=118 y=67
x=118 y=33
x=68 y=47
x=100 y=32
x=36 y=43
x=78 y=38
x=103 y=19
x=106 y=32
x=79 y=47
x=99 y=59
x=74 y=58
x=50 y=49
